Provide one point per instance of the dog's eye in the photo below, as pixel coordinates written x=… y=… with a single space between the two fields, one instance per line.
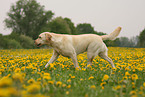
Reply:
x=39 y=37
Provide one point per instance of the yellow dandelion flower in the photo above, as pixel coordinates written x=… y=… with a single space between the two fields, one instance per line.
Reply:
x=67 y=92
x=69 y=86
x=144 y=84
x=63 y=85
x=17 y=70
x=91 y=78
x=134 y=76
x=23 y=68
x=141 y=87
x=59 y=83
x=127 y=73
x=81 y=79
x=8 y=75
x=5 y=82
x=72 y=76
x=4 y=92
x=38 y=79
x=77 y=68
x=69 y=80
x=125 y=78
x=132 y=92
x=103 y=83
x=88 y=66
x=83 y=69
x=51 y=82
x=31 y=81
x=17 y=77
x=52 y=65
x=114 y=69
x=13 y=92
x=33 y=88
x=118 y=87
x=106 y=77
x=47 y=76
x=93 y=87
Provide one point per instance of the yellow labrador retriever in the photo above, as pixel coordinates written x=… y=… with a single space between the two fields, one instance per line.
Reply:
x=72 y=45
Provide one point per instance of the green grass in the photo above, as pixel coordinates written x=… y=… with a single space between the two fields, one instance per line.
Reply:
x=21 y=66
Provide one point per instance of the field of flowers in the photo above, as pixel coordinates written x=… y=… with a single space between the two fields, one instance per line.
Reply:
x=22 y=74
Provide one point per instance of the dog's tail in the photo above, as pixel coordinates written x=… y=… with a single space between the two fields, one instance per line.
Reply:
x=113 y=35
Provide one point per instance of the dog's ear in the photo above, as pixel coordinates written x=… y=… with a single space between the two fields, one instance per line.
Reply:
x=48 y=36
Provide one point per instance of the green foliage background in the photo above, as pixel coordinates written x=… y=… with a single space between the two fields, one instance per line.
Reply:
x=27 y=19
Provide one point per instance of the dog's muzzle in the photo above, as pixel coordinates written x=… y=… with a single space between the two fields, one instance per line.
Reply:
x=39 y=44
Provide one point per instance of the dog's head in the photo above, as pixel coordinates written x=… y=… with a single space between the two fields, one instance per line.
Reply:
x=43 y=38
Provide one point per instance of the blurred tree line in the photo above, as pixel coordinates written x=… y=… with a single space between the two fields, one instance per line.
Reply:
x=27 y=19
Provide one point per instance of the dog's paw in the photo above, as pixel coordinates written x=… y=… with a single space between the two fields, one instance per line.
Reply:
x=46 y=65
x=78 y=68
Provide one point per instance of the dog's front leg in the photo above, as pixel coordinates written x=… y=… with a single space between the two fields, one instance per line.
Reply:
x=74 y=59
x=53 y=58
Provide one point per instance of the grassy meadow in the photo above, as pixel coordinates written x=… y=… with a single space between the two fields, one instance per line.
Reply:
x=22 y=74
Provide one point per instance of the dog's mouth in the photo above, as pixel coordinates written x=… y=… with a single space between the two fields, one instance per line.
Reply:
x=39 y=44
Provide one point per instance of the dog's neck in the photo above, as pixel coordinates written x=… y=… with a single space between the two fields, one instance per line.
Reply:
x=55 y=40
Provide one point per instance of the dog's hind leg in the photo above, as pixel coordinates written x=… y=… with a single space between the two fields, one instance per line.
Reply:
x=53 y=58
x=105 y=56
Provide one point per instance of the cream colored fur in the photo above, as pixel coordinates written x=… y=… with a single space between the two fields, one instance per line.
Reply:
x=72 y=45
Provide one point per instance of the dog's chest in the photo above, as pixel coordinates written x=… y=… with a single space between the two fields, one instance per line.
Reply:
x=62 y=52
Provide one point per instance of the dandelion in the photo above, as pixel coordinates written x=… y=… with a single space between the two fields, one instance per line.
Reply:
x=51 y=82
x=114 y=69
x=31 y=81
x=77 y=68
x=46 y=76
x=59 y=83
x=144 y=84
x=83 y=69
x=17 y=70
x=4 y=92
x=132 y=92
x=88 y=66
x=117 y=87
x=5 y=82
x=17 y=77
x=69 y=86
x=103 y=84
x=141 y=87
x=67 y=92
x=125 y=78
x=63 y=85
x=38 y=79
x=23 y=68
x=33 y=88
x=69 y=80
x=90 y=78
x=106 y=77
x=81 y=79
x=72 y=77
x=134 y=76
x=52 y=65
x=127 y=73
x=93 y=87
x=13 y=92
